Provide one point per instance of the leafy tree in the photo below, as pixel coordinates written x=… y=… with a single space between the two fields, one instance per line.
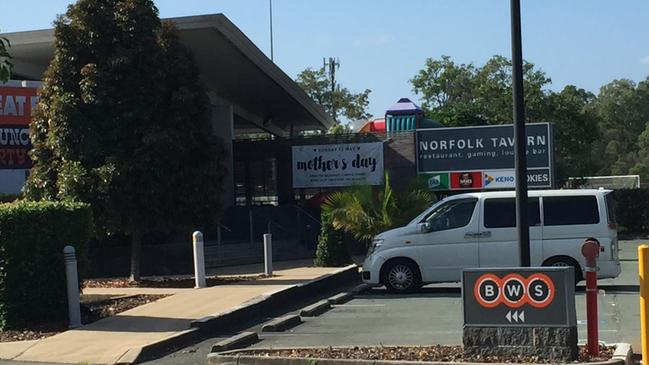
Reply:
x=575 y=130
x=365 y=211
x=622 y=108
x=463 y=94
x=5 y=63
x=124 y=124
x=321 y=85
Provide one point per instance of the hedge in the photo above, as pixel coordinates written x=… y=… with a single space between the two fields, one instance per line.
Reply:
x=32 y=272
x=332 y=248
x=8 y=198
x=632 y=210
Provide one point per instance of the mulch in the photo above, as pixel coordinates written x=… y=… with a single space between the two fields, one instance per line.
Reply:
x=415 y=353
x=164 y=282
x=92 y=309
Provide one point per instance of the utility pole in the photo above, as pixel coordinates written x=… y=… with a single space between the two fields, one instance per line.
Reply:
x=520 y=152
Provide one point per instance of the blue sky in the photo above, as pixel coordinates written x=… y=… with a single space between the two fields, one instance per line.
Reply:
x=382 y=44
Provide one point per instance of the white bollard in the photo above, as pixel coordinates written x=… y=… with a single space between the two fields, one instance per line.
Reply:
x=72 y=277
x=268 y=254
x=199 y=260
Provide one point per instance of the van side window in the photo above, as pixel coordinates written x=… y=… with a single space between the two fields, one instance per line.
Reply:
x=610 y=208
x=501 y=213
x=568 y=210
x=454 y=214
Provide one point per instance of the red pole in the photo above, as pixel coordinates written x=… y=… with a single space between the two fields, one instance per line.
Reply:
x=590 y=250
x=591 y=312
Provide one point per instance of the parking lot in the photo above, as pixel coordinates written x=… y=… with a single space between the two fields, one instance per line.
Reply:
x=434 y=316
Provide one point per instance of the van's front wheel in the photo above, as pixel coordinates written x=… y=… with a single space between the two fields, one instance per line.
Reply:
x=564 y=261
x=401 y=276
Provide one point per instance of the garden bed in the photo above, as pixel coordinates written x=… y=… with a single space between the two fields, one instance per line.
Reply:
x=93 y=308
x=166 y=282
x=436 y=353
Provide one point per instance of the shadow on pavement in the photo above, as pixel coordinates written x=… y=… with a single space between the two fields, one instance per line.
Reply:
x=422 y=293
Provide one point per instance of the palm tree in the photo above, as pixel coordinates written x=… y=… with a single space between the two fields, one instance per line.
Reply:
x=365 y=211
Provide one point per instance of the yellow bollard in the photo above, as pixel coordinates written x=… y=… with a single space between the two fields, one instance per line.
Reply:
x=643 y=266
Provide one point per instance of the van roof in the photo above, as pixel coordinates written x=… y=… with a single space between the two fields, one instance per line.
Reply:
x=532 y=193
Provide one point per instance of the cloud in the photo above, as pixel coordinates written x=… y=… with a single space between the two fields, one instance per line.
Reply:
x=645 y=60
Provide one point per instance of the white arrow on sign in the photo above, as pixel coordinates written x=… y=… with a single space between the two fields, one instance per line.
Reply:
x=516 y=316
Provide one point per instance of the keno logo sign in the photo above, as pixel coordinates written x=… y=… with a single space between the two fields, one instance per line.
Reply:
x=514 y=291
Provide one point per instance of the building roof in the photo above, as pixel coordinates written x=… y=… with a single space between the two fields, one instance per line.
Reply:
x=404 y=106
x=231 y=66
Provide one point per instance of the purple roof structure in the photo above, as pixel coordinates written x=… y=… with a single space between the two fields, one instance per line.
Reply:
x=404 y=107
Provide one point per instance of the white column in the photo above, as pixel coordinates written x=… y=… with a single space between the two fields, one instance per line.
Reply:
x=199 y=260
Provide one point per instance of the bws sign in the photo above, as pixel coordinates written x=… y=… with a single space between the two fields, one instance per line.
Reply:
x=514 y=291
x=522 y=297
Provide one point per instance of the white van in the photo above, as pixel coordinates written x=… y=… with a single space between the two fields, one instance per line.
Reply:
x=479 y=230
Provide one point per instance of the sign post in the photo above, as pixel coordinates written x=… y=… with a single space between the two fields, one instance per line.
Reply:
x=520 y=311
x=522 y=227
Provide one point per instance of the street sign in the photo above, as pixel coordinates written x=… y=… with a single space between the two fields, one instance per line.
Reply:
x=519 y=297
x=482 y=157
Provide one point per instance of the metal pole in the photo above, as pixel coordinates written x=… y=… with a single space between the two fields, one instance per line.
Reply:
x=219 y=239
x=252 y=229
x=199 y=260
x=268 y=254
x=72 y=277
x=520 y=150
x=272 y=58
x=643 y=267
x=590 y=250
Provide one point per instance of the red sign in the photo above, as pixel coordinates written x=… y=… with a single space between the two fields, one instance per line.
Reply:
x=466 y=180
x=16 y=105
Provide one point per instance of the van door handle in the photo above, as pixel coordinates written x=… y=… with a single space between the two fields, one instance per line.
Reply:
x=484 y=234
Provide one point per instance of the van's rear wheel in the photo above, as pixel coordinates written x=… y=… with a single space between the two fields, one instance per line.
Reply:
x=564 y=261
x=401 y=276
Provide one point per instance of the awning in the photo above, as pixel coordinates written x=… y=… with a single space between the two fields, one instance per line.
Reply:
x=231 y=66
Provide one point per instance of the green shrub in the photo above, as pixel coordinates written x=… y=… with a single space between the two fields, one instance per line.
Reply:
x=8 y=198
x=632 y=210
x=332 y=249
x=32 y=272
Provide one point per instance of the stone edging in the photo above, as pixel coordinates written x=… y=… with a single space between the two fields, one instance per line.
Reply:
x=206 y=327
x=622 y=356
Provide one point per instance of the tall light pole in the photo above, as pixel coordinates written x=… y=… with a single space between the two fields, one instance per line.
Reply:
x=270 y=6
x=520 y=148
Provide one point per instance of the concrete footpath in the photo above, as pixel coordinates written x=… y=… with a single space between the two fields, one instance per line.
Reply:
x=123 y=337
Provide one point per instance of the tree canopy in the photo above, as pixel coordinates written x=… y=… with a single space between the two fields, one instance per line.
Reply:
x=124 y=124
x=321 y=85
x=5 y=60
x=603 y=134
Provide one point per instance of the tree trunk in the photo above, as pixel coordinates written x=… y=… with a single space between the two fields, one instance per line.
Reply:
x=136 y=253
